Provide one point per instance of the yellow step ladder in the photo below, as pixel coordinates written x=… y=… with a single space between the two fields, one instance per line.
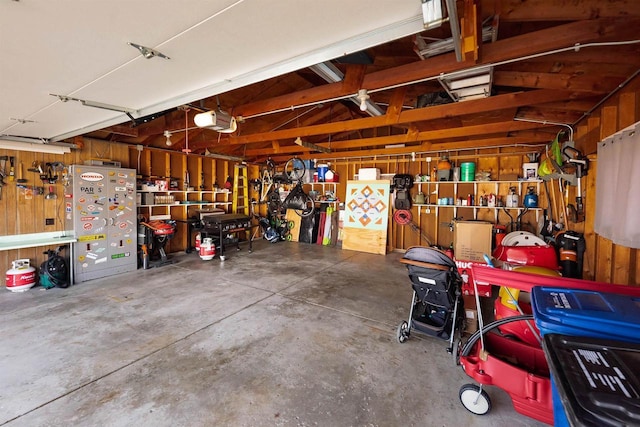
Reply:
x=240 y=201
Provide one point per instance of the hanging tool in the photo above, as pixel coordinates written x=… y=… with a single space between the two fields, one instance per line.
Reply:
x=581 y=163
x=3 y=173
x=51 y=195
x=21 y=179
x=12 y=170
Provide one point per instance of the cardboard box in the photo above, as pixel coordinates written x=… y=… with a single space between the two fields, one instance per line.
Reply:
x=368 y=174
x=470 y=314
x=472 y=239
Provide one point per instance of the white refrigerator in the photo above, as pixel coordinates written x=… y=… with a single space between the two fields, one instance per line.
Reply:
x=100 y=207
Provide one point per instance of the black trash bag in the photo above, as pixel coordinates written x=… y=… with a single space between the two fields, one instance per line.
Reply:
x=297 y=199
x=54 y=271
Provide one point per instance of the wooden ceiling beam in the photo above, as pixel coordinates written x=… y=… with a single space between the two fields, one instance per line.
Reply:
x=595 y=84
x=484 y=129
x=548 y=39
x=498 y=102
x=420 y=149
x=429 y=137
x=353 y=78
x=561 y=10
x=470 y=28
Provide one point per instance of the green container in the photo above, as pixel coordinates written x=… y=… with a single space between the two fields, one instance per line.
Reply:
x=468 y=171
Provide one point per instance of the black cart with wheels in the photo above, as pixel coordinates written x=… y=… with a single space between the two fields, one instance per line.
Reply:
x=227 y=230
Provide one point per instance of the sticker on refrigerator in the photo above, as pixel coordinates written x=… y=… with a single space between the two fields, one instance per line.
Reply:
x=87 y=226
x=91 y=237
x=122 y=255
x=101 y=260
x=91 y=176
x=68 y=207
x=88 y=218
x=91 y=255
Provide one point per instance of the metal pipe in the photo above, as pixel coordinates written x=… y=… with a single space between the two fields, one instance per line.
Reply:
x=547 y=122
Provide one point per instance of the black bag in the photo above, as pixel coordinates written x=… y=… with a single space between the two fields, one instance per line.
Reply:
x=402 y=181
x=54 y=272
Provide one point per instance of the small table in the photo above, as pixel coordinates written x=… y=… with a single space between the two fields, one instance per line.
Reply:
x=32 y=240
x=227 y=224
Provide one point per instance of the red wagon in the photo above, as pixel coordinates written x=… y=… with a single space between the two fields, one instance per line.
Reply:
x=518 y=367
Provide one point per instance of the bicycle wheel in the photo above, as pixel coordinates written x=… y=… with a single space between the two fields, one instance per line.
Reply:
x=295 y=169
x=309 y=207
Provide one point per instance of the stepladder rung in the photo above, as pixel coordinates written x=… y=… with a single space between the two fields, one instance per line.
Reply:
x=240 y=201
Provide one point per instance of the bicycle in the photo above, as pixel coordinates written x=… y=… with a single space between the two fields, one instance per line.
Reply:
x=272 y=181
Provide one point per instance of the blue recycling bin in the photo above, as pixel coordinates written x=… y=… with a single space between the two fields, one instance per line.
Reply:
x=582 y=313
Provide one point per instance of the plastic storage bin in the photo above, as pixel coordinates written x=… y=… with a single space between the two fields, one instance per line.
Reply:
x=596 y=379
x=586 y=313
x=582 y=313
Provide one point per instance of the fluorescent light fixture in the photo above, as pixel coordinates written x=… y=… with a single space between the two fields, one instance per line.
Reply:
x=438 y=47
x=33 y=147
x=432 y=13
x=466 y=85
x=216 y=120
x=332 y=74
x=328 y=72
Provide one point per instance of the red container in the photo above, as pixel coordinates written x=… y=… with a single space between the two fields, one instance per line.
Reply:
x=516 y=367
x=465 y=270
x=539 y=256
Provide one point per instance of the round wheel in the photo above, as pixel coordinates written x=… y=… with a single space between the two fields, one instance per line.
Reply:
x=295 y=169
x=291 y=224
x=402 y=334
x=309 y=206
x=474 y=400
x=289 y=237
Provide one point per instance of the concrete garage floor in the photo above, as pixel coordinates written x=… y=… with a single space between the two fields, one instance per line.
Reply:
x=289 y=335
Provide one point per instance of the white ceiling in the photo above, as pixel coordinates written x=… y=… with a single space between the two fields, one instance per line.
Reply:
x=79 y=48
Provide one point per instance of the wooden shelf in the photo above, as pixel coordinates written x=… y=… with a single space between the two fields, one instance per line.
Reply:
x=461 y=189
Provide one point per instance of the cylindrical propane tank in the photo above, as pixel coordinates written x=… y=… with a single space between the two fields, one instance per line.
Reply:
x=21 y=276
x=531 y=198
x=198 y=240
x=207 y=249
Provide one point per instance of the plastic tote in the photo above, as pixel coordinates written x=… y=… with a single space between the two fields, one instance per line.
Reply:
x=586 y=313
x=582 y=313
x=596 y=379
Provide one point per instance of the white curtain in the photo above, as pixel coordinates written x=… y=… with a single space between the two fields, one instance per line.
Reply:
x=617 y=214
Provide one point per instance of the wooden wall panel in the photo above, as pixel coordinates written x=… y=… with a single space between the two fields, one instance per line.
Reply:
x=604 y=260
